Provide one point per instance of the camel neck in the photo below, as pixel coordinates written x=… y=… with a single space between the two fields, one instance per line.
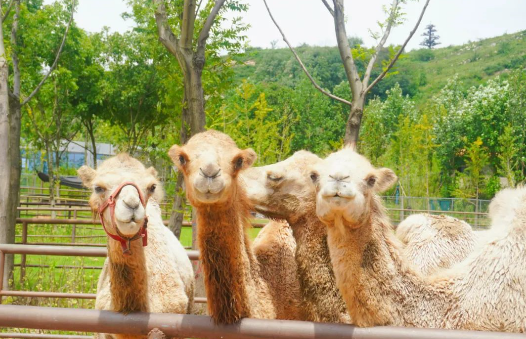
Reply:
x=322 y=300
x=128 y=277
x=228 y=261
x=368 y=262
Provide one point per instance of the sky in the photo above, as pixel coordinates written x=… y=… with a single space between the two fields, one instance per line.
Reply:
x=308 y=21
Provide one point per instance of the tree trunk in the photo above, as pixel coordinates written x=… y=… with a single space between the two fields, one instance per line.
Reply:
x=93 y=143
x=177 y=217
x=193 y=122
x=352 y=128
x=7 y=213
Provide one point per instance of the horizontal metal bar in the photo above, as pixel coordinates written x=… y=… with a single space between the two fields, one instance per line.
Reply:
x=43 y=336
x=82 y=251
x=34 y=294
x=435 y=211
x=46 y=221
x=196 y=326
x=62 y=266
x=71 y=244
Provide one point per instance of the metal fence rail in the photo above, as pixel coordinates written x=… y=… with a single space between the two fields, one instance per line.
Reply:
x=59 y=251
x=198 y=326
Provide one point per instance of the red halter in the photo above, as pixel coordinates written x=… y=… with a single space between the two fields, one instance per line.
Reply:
x=123 y=240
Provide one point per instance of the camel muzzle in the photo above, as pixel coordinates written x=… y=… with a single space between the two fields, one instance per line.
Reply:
x=122 y=239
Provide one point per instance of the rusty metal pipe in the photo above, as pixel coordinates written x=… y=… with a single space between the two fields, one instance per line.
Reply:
x=66 y=250
x=43 y=336
x=194 y=326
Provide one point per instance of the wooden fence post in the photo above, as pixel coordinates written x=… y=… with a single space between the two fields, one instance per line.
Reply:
x=23 y=256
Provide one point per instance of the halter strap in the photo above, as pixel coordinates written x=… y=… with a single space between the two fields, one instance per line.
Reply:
x=123 y=240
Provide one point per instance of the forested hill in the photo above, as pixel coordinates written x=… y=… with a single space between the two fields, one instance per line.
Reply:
x=420 y=73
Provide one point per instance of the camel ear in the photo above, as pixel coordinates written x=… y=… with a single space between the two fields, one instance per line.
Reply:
x=385 y=179
x=86 y=174
x=178 y=156
x=152 y=171
x=244 y=159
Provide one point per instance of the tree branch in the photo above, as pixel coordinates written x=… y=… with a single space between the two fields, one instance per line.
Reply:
x=382 y=75
x=54 y=65
x=166 y=35
x=302 y=65
x=7 y=11
x=205 y=31
x=187 y=25
x=345 y=50
x=328 y=7
x=390 y=20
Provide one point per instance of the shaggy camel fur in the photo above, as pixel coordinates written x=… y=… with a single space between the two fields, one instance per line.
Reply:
x=486 y=291
x=154 y=278
x=435 y=241
x=234 y=280
x=275 y=249
x=284 y=190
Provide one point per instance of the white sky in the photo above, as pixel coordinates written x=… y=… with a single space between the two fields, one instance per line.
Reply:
x=308 y=21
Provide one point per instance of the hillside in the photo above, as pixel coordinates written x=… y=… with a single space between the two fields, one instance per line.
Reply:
x=420 y=72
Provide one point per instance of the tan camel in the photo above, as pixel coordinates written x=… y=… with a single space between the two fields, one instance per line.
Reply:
x=435 y=241
x=486 y=291
x=147 y=269
x=234 y=280
x=284 y=190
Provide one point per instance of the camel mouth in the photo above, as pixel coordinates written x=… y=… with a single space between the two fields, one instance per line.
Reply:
x=268 y=213
x=129 y=228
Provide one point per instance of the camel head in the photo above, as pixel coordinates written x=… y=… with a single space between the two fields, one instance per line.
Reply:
x=104 y=181
x=210 y=163
x=283 y=190
x=346 y=182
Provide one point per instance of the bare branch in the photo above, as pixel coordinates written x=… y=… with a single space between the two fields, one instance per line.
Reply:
x=187 y=26
x=382 y=75
x=205 y=31
x=7 y=11
x=390 y=20
x=345 y=49
x=54 y=65
x=328 y=7
x=301 y=63
x=166 y=35
x=198 y=7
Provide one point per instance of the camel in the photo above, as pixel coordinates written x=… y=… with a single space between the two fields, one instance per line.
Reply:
x=234 y=279
x=147 y=268
x=486 y=291
x=435 y=241
x=285 y=191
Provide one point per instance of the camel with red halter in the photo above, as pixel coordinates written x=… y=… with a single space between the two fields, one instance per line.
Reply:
x=147 y=268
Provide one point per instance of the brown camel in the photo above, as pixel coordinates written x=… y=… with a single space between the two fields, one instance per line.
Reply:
x=234 y=280
x=147 y=269
x=284 y=190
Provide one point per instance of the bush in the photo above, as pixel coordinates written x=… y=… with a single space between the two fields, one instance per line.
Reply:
x=424 y=55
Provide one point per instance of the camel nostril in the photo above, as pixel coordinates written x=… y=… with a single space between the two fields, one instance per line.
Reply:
x=132 y=206
x=210 y=173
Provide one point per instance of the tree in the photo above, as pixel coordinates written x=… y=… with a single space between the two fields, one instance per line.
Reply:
x=431 y=39
x=10 y=119
x=359 y=84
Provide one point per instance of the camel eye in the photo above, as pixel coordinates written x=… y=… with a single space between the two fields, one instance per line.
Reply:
x=182 y=160
x=314 y=176
x=152 y=188
x=371 y=181
x=238 y=163
x=274 y=177
x=99 y=190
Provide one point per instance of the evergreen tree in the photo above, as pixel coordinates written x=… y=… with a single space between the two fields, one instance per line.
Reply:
x=431 y=39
